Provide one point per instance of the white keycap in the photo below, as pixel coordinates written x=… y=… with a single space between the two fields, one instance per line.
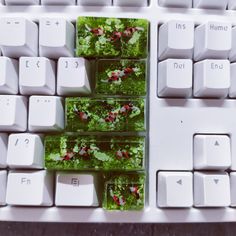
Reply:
x=8 y=76
x=232 y=54
x=232 y=89
x=37 y=76
x=22 y=2
x=20 y=37
x=25 y=151
x=175 y=189
x=231 y=4
x=56 y=38
x=76 y=189
x=3 y=148
x=46 y=113
x=58 y=2
x=212 y=78
x=210 y=4
x=3 y=186
x=211 y=189
x=13 y=110
x=233 y=188
x=213 y=40
x=176 y=3
x=30 y=188
x=212 y=152
x=130 y=3
x=94 y=2
x=72 y=76
x=175 y=78
x=171 y=43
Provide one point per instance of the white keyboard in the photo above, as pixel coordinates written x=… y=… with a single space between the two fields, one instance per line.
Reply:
x=118 y=111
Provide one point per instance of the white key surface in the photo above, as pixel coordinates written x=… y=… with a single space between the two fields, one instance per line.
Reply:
x=233 y=188
x=56 y=38
x=3 y=187
x=73 y=76
x=9 y=80
x=210 y=4
x=232 y=54
x=211 y=189
x=3 y=148
x=37 y=76
x=26 y=42
x=13 y=110
x=212 y=78
x=232 y=89
x=94 y=2
x=171 y=43
x=176 y=3
x=175 y=78
x=33 y=188
x=231 y=4
x=46 y=113
x=175 y=189
x=25 y=151
x=213 y=40
x=74 y=189
x=130 y=3
x=22 y=2
x=212 y=152
x=58 y=2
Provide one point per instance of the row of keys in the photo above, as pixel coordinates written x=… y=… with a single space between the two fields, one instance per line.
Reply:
x=205 y=4
x=35 y=188
x=133 y=3
x=204 y=79
x=211 y=40
x=201 y=189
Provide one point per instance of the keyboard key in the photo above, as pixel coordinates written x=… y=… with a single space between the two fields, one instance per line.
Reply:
x=56 y=38
x=232 y=89
x=3 y=148
x=46 y=113
x=8 y=76
x=124 y=192
x=22 y=2
x=25 y=151
x=94 y=2
x=171 y=43
x=20 y=37
x=58 y=2
x=33 y=188
x=105 y=114
x=212 y=152
x=212 y=78
x=3 y=187
x=211 y=189
x=63 y=152
x=37 y=76
x=213 y=40
x=231 y=4
x=73 y=77
x=210 y=4
x=13 y=110
x=233 y=188
x=130 y=3
x=176 y=3
x=126 y=38
x=175 y=78
x=76 y=189
x=232 y=54
x=175 y=189
x=121 y=77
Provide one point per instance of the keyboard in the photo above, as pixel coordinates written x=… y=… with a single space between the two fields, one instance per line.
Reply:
x=118 y=111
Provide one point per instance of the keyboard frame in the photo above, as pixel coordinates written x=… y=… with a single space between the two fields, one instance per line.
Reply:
x=166 y=117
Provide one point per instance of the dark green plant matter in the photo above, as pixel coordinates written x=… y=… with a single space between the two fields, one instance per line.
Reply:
x=121 y=77
x=111 y=37
x=76 y=152
x=108 y=114
x=124 y=192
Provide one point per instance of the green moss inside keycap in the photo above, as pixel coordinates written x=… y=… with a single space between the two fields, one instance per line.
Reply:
x=111 y=37
x=121 y=77
x=94 y=153
x=108 y=114
x=124 y=192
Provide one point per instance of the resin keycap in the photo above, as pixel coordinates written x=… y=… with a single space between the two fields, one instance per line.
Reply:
x=121 y=77
x=105 y=114
x=124 y=192
x=94 y=153
x=112 y=37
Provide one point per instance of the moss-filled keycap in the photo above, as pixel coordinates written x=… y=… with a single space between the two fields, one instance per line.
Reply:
x=112 y=37
x=121 y=77
x=105 y=114
x=124 y=192
x=94 y=153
